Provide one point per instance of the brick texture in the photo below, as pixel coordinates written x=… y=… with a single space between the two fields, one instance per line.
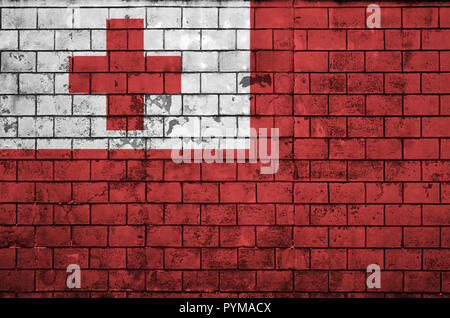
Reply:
x=364 y=171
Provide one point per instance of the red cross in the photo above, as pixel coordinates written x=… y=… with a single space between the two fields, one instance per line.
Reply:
x=124 y=74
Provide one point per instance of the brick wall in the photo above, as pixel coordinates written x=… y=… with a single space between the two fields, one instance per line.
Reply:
x=364 y=173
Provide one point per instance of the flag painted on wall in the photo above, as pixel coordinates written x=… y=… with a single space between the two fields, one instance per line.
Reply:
x=224 y=148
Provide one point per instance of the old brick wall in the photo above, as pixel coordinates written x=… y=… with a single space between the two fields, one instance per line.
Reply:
x=364 y=172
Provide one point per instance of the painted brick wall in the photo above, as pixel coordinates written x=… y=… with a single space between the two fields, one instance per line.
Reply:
x=364 y=172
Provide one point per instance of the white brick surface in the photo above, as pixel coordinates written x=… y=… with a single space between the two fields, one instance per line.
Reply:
x=36 y=40
x=72 y=40
x=8 y=83
x=127 y=13
x=199 y=61
x=218 y=39
x=153 y=39
x=17 y=105
x=200 y=18
x=56 y=61
x=9 y=40
x=18 y=61
x=18 y=18
x=216 y=83
x=35 y=126
x=37 y=83
x=8 y=126
x=163 y=18
x=234 y=61
x=89 y=105
x=234 y=18
x=200 y=105
x=55 y=18
x=54 y=105
x=38 y=111
x=182 y=39
x=234 y=105
x=90 y=18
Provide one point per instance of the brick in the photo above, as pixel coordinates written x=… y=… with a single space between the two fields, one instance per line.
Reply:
x=251 y=258
x=144 y=258
x=89 y=235
x=383 y=149
x=182 y=258
x=237 y=280
x=310 y=236
x=126 y=236
x=346 y=105
x=420 y=17
x=419 y=237
x=273 y=236
x=33 y=258
x=164 y=235
x=421 y=281
x=201 y=281
x=436 y=215
x=435 y=39
x=273 y=18
x=90 y=192
x=384 y=61
x=107 y=258
x=219 y=258
x=274 y=280
x=310 y=193
x=402 y=39
x=145 y=214
x=290 y=258
x=237 y=192
x=347 y=18
x=19 y=18
x=403 y=259
x=200 y=236
x=381 y=105
x=126 y=280
x=365 y=83
x=359 y=259
x=311 y=281
x=421 y=193
x=328 y=170
x=365 y=40
x=326 y=40
x=402 y=171
x=347 y=236
x=311 y=62
x=164 y=280
x=384 y=237
x=330 y=259
x=444 y=59
x=8 y=213
x=34 y=214
x=17 y=281
x=53 y=236
x=365 y=215
x=234 y=236
x=328 y=215
x=328 y=83
x=420 y=61
x=384 y=192
x=346 y=61
x=64 y=256
x=347 y=281
x=310 y=18
x=164 y=192
x=349 y=148
x=274 y=192
x=346 y=192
